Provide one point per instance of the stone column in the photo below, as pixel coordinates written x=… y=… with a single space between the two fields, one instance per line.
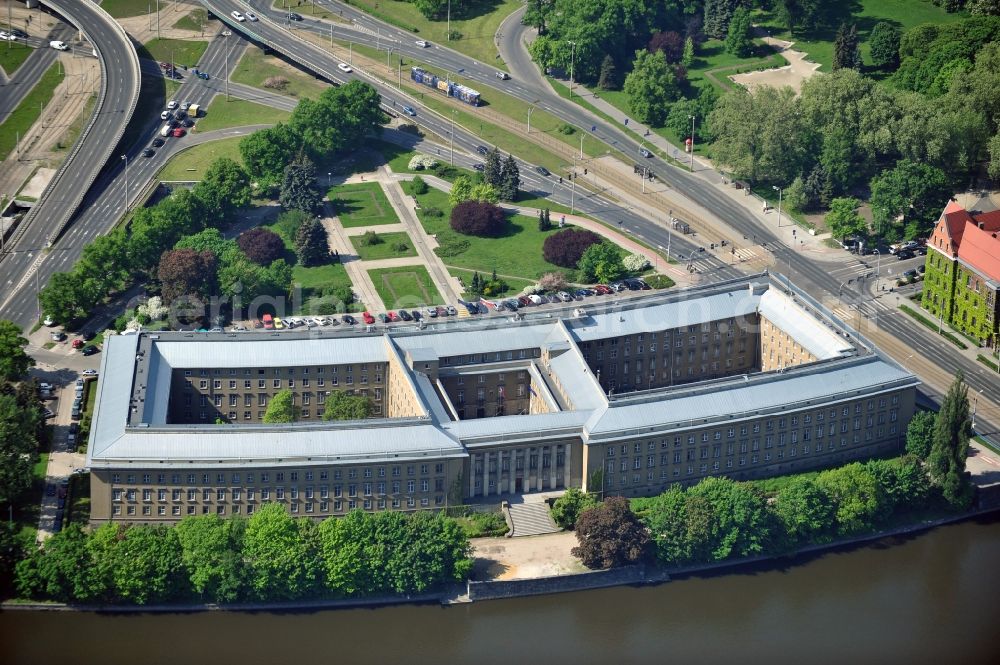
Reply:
x=472 y=475
x=513 y=468
x=486 y=474
x=567 y=456
x=526 y=485
x=553 y=450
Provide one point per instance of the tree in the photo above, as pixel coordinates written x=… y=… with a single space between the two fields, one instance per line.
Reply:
x=805 y=511
x=211 y=552
x=552 y=281
x=186 y=272
x=650 y=86
x=610 y=535
x=510 y=179
x=478 y=218
x=994 y=166
x=739 y=39
x=884 y=44
x=567 y=508
x=801 y=15
x=912 y=192
x=261 y=245
x=418 y=186
x=544 y=223
x=920 y=434
x=844 y=219
x=311 y=243
x=282 y=408
x=14 y=362
x=609 y=74
x=718 y=14
x=859 y=500
x=224 y=188
x=537 y=14
x=62 y=570
x=950 y=446
x=18 y=447
x=267 y=151
x=144 y=563
x=299 y=189
x=283 y=564
x=687 y=57
x=742 y=525
x=493 y=168
x=565 y=248
x=670 y=42
x=846 y=49
x=601 y=263
x=342 y=406
x=436 y=9
x=666 y=517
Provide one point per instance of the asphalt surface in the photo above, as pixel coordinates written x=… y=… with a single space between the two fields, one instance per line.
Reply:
x=104 y=203
x=31 y=70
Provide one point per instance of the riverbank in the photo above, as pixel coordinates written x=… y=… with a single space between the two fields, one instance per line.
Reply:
x=481 y=590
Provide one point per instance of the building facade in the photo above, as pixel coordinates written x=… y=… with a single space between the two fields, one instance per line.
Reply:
x=962 y=272
x=746 y=378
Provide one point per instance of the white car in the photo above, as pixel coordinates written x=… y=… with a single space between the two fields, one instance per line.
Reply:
x=251 y=17
x=166 y=115
x=172 y=104
x=238 y=16
x=344 y=67
x=48 y=321
x=89 y=372
x=535 y=299
x=58 y=45
x=422 y=43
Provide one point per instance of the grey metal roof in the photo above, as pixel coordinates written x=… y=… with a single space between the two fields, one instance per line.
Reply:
x=805 y=329
x=476 y=340
x=114 y=392
x=738 y=302
x=248 y=351
x=575 y=376
x=504 y=428
x=325 y=442
x=736 y=398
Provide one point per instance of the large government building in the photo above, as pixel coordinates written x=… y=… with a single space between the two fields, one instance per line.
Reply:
x=618 y=395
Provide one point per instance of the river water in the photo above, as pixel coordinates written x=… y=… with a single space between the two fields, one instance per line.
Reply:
x=930 y=598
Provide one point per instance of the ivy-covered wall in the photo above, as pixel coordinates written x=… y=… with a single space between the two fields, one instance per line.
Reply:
x=952 y=288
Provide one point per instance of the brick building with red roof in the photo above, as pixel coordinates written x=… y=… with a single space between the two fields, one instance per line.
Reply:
x=962 y=273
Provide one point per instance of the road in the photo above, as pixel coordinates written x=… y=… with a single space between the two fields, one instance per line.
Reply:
x=26 y=260
x=31 y=70
x=104 y=204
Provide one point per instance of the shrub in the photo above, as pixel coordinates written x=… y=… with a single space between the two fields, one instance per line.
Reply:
x=565 y=248
x=276 y=82
x=450 y=244
x=400 y=247
x=421 y=162
x=478 y=218
x=635 y=262
x=418 y=186
x=568 y=507
x=370 y=238
x=433 y=212
x=262 y=246
x=446 y=171
x=567 y=129
x=551 y=281
x=410 y=129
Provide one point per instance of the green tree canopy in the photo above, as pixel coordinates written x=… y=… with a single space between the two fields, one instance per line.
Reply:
x=299 y=189
x=950 y=445
x=211 y=550
x=342 y=406
x=281 y=408
x=567 y=508
x=911 y=196
x=844 y=219
x=884 y=45
x=610 y=535
x=282 y=563
x=224 y=189
x=805 y=511
x=14 y=362
x=920 y=434
x=601 y=262
x=859 y=500
x=651 y=86
x=18 y=446
x=739 y=39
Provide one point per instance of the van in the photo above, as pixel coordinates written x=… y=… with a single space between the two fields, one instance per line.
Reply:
x=59 y=46
x=166 y=130
x=194 y=110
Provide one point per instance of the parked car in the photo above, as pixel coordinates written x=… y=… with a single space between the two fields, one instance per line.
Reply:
x=77 y=343
x=58 y=336
x=442 y=311
x=431 y=312
x=535 y=299
x=278 y=323
x=166 y=115
x=367 y=318
x=905 y=254
x=49 y=413
x=89 y=372
x=403 y=314
x=451 y=310
x=523 y=301
x=416 y=314
x=392 y=316
x=602 y=289
x=904 y=246
x=383 y=318
x=349 y=320
x=565 y=297
x=268 y=322
x=89 y=350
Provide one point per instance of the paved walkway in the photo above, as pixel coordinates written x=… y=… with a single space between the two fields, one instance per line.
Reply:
x=793 y=75
x=362 y=283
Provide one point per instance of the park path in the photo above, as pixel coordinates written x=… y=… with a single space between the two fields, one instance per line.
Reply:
x=338 y=242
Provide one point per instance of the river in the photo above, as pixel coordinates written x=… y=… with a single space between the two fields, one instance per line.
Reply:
x=930 y=598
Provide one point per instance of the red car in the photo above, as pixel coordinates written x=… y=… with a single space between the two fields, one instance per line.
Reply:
x=523 y=301
x=179 y=132
x=603 y=289
x=393 y=316
x=368 y=318
x=268 y=322
x=78 y=343
x=442 y=311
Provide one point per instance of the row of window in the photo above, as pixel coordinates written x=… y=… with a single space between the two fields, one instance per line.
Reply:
x=308 y=493
x=289 y=371
x=519 y=462
x=203 y=384
x=496 y=356
x=295 y=508
x=251 y=477
x=262 y=398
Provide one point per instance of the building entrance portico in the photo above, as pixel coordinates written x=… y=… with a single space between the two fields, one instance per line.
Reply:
x=525 y=469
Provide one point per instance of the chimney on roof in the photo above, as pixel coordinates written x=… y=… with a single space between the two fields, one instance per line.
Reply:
x=982 y=226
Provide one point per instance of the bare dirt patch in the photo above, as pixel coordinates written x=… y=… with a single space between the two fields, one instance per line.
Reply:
x=793 y=74
x=523 y=558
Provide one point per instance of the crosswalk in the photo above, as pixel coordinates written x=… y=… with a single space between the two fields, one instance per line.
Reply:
x=852 y=312
x=853 y=271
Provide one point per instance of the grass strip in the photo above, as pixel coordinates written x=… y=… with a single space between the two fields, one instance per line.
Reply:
x=986 y=361
x=24 y=116
x=931 y=326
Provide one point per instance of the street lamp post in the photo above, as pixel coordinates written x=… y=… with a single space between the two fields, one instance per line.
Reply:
x=38 y=302
x=125 y=158
x=778 y=189
x=453 y=113
x=531 y=107
x=449 y=20
x=975 y=405
x=226 y=34
x=692 y=143
x=878 y=264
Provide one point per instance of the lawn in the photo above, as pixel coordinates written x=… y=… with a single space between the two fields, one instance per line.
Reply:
x=180 y=51
x=904 y=14
x=362 y=204
x=238 y=113
x=477 y=30
x=126 y=8
x=195 y=20
x=385 y=249
x=254 y=68
x=514 y=284
x=518 y=253
x=406 y=287
x=191 y=164
x=313 y=282
x=24 y=116
x=12 y=56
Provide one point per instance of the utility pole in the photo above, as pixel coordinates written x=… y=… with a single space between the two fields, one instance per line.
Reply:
x=449 y=20
x=531 y=107
x=350 y=53
x=572 y=62
x=582 y=134
x=126 y=184
x=399 y=75
x=692 y=144
x=227 y=33
x=779 y=203
x=453 y=113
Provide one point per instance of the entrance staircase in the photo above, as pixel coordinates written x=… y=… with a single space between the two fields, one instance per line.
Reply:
x=531 y=519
